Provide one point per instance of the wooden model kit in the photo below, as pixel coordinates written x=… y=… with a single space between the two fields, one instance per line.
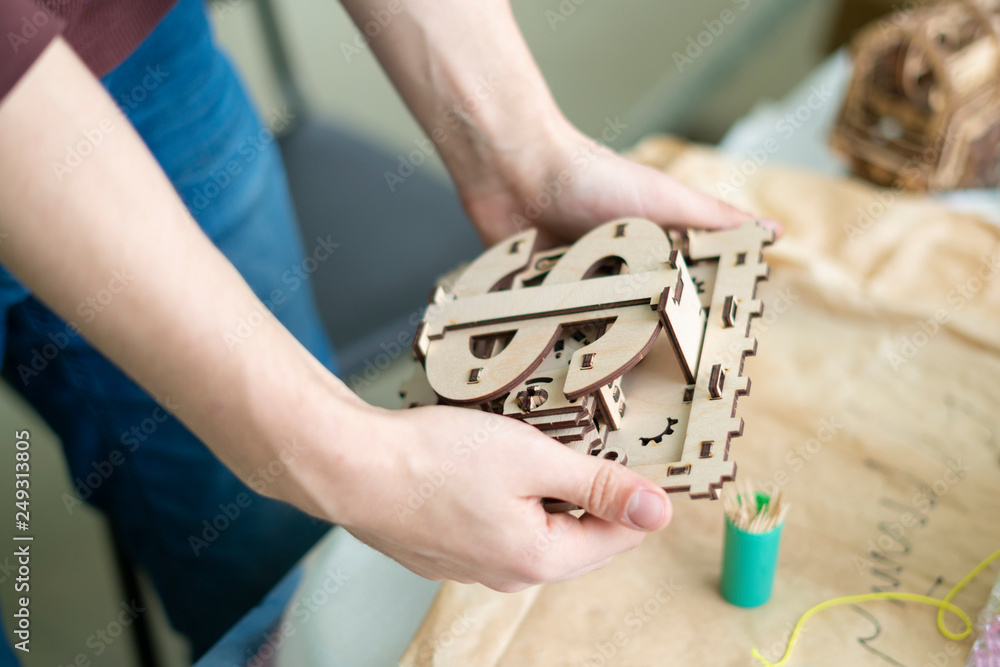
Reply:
x=923 y=108
x=568 y=340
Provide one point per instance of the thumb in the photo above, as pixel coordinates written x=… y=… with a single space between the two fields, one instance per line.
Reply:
x=603 y=488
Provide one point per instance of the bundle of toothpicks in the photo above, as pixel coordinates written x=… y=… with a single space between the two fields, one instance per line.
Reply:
x=741 y=505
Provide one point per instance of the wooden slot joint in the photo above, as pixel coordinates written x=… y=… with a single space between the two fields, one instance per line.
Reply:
x=729 y=312
x=716 y=382
x=672 y=259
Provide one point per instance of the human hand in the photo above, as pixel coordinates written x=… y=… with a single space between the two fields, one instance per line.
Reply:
x=564 y=183
x=456 y=493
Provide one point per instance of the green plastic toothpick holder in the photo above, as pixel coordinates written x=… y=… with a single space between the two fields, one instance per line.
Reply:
x=749 y=561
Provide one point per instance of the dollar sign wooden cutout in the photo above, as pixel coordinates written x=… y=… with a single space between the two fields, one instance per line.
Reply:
x=652 y=288
x=552 y=338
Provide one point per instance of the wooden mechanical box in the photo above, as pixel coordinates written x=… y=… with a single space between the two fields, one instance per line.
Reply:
x=923 y=108
x=628 y=344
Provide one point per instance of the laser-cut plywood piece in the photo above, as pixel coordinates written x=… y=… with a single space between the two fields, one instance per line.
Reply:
x=923 y=108
x=569 y=341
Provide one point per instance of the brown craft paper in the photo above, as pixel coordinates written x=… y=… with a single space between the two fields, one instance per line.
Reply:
x=874 y=407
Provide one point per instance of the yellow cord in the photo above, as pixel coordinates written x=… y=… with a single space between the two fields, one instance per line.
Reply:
x=953 y=592
x=942 y=605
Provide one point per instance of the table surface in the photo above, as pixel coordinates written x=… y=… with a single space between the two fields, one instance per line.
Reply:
x=346 y=604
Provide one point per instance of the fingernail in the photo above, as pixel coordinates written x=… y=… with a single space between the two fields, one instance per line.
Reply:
x=646 y=510
x=773 y=224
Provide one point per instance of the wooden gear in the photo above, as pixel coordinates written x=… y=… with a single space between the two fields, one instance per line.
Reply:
x=923 y=109
x=568 y=340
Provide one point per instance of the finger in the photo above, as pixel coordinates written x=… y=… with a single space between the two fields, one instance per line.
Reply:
x=598 y=566
x=673 y=204
x=593 y=567
x=603 y=488
x=613 y=537
x=586 y=569
x=596 y=541
x=573 y=547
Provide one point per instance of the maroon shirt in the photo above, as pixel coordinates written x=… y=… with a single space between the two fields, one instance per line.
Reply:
x=102 y=32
